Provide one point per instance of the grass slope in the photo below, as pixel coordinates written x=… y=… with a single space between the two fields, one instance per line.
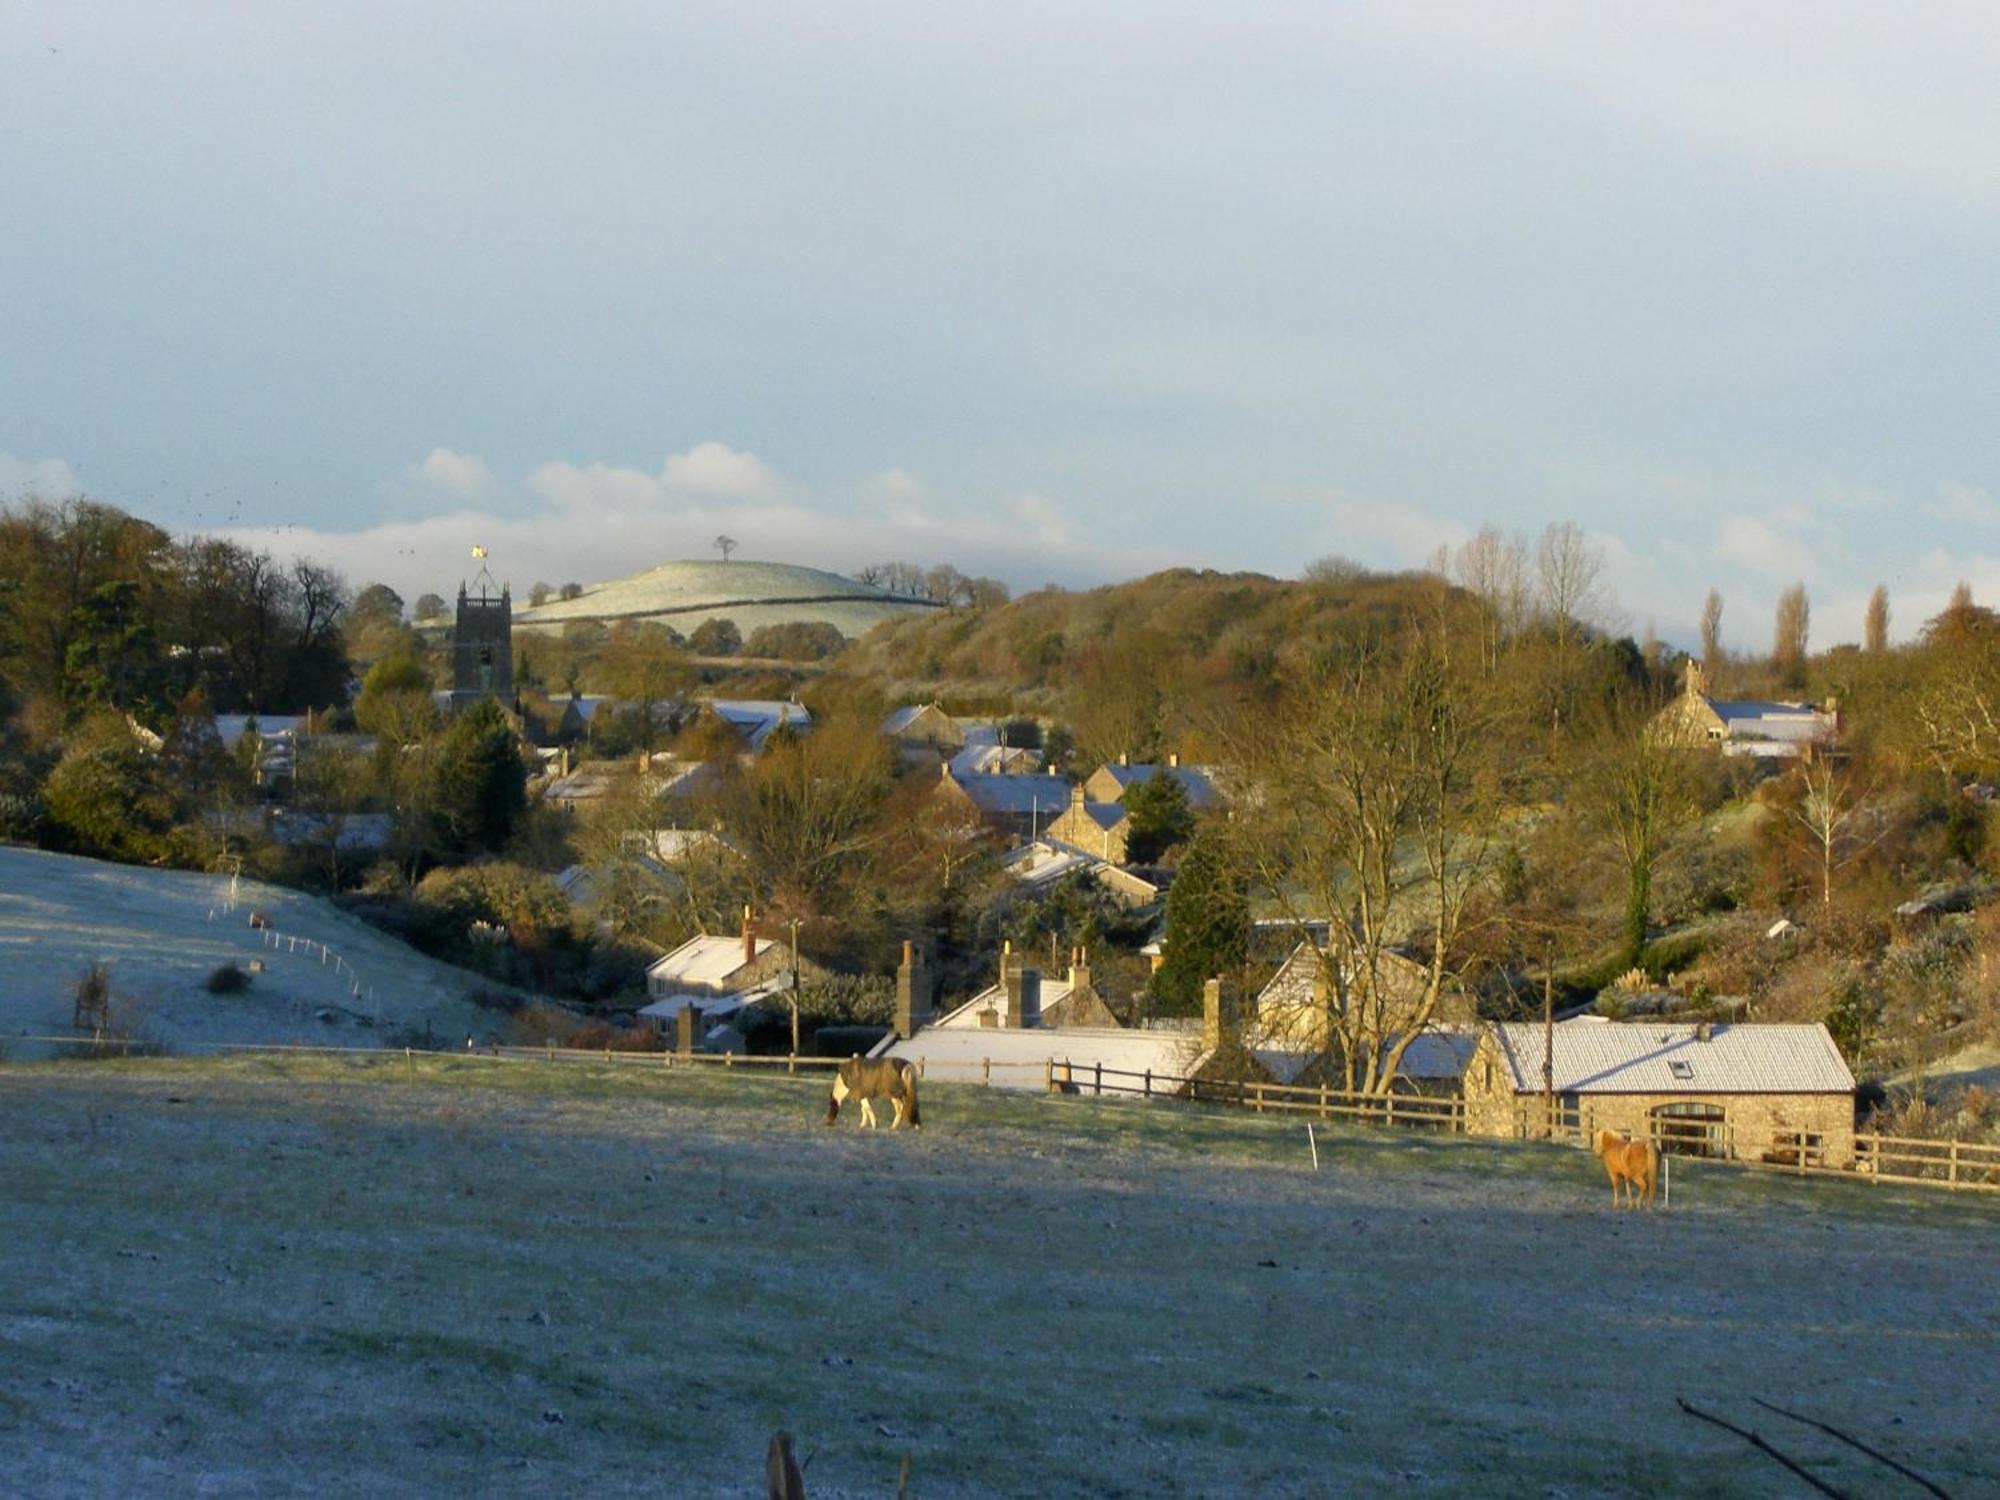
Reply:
x=263 y=1276
x=58 y=914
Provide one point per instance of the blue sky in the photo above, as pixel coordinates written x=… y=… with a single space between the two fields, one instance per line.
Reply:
x=1058 y=293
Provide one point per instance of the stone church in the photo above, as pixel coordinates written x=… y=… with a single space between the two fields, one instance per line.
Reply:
x=482 y=644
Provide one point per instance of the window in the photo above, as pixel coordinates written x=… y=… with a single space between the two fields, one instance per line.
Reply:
x=1690 y=1128
x=1681 y=1070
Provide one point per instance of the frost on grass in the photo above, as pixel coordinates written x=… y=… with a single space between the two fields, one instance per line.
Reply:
x=256 y=1277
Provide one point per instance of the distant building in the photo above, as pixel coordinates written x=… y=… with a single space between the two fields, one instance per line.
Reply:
x=482 y=645
x=1109 y=783
x=1765 y=730
x=1747 y=1091
x=1019 y=805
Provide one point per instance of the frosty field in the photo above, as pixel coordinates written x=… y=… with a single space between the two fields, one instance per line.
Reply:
x=154 y=931
x=260 y=1277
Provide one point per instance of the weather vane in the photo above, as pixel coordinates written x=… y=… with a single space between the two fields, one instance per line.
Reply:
x=478 y=551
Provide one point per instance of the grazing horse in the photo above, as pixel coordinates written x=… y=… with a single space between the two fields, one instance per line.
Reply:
x=868 y=1078
x=1636 y=1164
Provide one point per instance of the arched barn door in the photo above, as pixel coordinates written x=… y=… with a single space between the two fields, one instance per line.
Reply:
x=1690 y=1129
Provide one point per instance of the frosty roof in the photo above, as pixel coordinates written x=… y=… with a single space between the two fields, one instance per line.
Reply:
x=703 y=960
x=1201 y=791
x=1595 y=1056
x=960 y=1052
x=757 y=718
x=967 y=1015
x=1792 y=722
x=1020 y=795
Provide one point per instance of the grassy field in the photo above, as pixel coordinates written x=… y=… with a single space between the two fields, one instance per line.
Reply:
x=260 y=1277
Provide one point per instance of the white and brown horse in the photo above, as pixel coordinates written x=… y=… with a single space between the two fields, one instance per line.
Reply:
x=1636 y=1164
x=870 y=1078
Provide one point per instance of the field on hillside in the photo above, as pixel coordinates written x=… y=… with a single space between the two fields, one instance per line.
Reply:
x=263 y=1276
x=153 y=930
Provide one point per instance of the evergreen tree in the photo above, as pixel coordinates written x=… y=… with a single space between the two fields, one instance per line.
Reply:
x=478 y=783
x=1161 y=817
x=1208 y=925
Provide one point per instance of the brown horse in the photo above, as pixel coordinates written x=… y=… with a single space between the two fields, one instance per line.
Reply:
x=1634 y=1163
x=869 y=1078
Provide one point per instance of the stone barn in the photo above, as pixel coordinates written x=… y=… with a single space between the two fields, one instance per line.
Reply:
x=1741 y=1091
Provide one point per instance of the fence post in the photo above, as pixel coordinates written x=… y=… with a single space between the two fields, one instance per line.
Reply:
x=1324 y=1112
x=1048 y=1075
x=1259 y=1096
x=791 y=1062
x=1100 y=1077
x=986 y=1071
x=1951 y=1167
x=1388 y=1109
x=1149 y=1083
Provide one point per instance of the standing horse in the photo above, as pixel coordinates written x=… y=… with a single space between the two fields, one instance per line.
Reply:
x=869 y=1078
x=1636 y=1164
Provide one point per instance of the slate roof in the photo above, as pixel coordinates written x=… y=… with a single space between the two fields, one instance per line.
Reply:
x=1200 y=789
x=756 y=719
x=1595 y=1056
x=1792 y=723
x=1017 y=795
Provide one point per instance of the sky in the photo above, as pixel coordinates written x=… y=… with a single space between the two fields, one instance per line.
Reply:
x=1059 y=293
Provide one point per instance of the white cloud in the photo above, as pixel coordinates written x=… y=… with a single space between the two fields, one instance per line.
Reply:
x=570 y=522
x=1960 y=504
x=462 y=474
x=40 y=478
x=718 y=470
x=1756 y=544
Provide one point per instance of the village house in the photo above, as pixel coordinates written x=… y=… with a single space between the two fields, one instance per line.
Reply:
x=1746 y=1090
x=1101 y=829
x=717 y=976
x=986 y=752
x=1016 y=806
x=1766 y=731
x=923 y=734
x=1109 y=782
x=1045 y=862
x=755 y=720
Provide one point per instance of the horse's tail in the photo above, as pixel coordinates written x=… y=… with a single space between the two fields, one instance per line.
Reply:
x=910 y=1093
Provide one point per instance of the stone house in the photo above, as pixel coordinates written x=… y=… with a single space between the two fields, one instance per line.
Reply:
x=1109 y=783
x=1737 y=1091
x=1100 y=829
x=1017 y=806
x=923 y=734
x=717 y=976
x=1766 y=731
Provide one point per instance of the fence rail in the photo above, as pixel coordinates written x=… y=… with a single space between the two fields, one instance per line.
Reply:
x=1966 y=1165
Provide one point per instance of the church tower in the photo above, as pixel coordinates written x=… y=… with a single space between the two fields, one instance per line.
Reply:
x=482 y=645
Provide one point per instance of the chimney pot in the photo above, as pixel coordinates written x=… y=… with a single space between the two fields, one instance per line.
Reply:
x=1173 y=759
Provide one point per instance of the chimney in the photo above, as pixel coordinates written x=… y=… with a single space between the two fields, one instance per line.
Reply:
x=1703 y=1032
x=1024 y=999
x=1211 y=1014
x=1006 y=960
x=1124 y=759
x=684 y=1029
x=913 y=992
x=1173 y=760
x=749 y=938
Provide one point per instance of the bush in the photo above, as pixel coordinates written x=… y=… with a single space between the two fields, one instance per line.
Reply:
x=227 y=980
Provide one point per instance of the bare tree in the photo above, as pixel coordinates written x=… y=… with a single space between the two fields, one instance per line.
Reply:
x=1493 y=568
x=1650 y=650
x=1831 y=810
x=1711 y=635
x=1875 y=626
x=1788 y=646
x=1569 y=571
x=1634 y=787
x=1373 y=813
x=725 y=545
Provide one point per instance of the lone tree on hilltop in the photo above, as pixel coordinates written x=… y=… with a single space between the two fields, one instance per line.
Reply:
x=725 y=545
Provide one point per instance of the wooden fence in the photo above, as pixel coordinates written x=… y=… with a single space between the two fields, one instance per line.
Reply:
x=1967 y=1165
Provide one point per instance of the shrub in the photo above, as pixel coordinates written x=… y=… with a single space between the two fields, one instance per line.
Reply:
x=226 y=980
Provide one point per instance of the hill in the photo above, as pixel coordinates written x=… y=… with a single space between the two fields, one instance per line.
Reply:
x=1187 y=629
x=685 y=594
x=469 y=1276
x=154 y=931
